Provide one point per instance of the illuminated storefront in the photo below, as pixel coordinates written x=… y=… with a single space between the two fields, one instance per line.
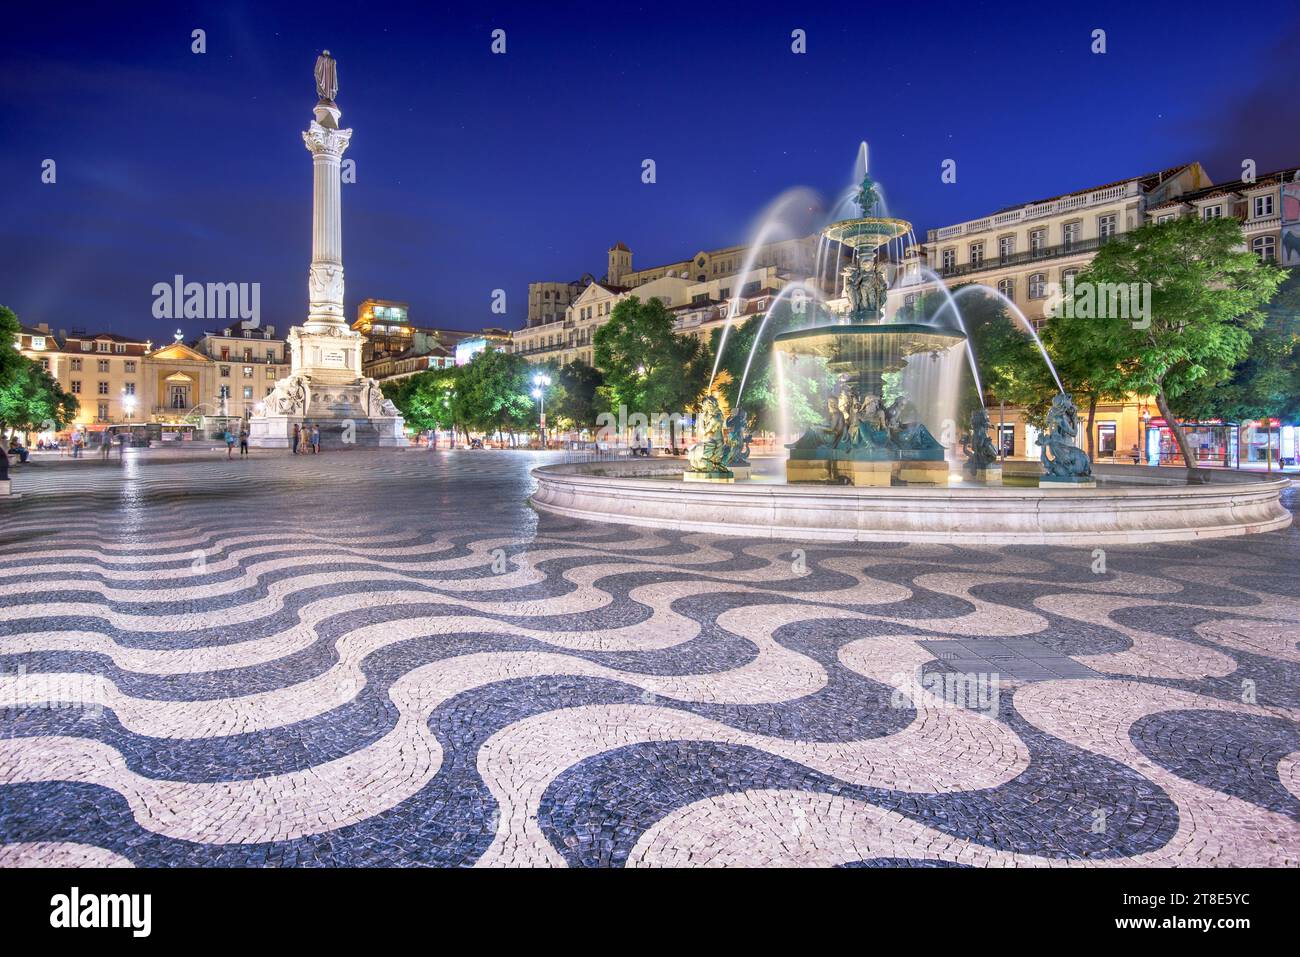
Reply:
x=1267 y=442
x=1213 y=441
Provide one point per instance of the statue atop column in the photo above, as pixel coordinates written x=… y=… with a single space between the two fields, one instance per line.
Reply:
x=327 y=77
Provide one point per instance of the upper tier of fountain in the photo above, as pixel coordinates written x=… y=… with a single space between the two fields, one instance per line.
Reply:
x=867 y=233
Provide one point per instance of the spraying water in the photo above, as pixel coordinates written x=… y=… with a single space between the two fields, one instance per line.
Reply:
x=961 y=323
x=810 y=292
x=1024 y=321
x=772 y=224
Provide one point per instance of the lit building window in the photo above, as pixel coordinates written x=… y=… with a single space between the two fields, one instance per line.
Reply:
x=1038 y=285
x=1263 y=206
x=1212 y=212
x=1008 y=288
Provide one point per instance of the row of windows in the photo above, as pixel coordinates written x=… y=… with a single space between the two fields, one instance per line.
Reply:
x=1071 y=232
x=271 y=354
x=101 y=387
x=101 y=345
x=224 y=392
x=271 y=371
x=1261 y=208
x=101 y=365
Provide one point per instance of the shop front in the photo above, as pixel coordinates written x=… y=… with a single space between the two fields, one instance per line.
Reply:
x=1268 y=443
x=1213 y=442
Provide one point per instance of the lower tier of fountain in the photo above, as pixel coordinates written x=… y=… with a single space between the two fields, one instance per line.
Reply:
x=1130 y=505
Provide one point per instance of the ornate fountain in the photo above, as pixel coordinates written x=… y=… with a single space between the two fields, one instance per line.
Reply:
x=869 y=437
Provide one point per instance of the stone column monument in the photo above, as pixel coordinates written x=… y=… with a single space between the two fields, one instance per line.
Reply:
x=325 y=387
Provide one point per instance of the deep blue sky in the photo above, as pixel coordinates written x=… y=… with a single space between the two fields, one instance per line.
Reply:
x=478 y=171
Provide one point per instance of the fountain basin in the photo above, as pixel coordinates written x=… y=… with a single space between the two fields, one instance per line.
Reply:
x=866 y=232
x=1131 y=505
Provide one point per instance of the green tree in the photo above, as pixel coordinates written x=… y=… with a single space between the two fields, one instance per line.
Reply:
x=575 y=396
x=425 y=399
x=492 y=393
x=648 y=367
x=1266 y=384
x=30 y=398
x=1206 y=294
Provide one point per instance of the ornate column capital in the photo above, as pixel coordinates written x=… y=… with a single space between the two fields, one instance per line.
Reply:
x=320 y=140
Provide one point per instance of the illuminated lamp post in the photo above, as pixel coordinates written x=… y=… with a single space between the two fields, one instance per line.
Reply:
x=540 y=382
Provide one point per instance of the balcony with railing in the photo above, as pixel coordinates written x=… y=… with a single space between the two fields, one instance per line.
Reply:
x=1033 y=211
x=1045 y=254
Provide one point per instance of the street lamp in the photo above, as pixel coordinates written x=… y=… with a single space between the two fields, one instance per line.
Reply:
x=541 y=381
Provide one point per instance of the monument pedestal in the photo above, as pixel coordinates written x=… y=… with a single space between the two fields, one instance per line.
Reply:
x=921 y=472
x=989 y=476
x=326 y=389
x=875 y=473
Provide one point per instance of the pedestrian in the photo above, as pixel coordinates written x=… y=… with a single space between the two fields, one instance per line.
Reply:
x=296 y=437
x=243 y=442
x=105 y=445
x=315 y=440
x=76 y=444
x=230 y=443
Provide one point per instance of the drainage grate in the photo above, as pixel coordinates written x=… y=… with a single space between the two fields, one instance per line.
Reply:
x=1020 y=658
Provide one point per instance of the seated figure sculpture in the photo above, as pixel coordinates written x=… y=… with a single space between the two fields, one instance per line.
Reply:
x=1067 y=460
x=979 y=448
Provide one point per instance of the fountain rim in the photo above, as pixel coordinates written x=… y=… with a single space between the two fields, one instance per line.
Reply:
x=871 y=329
x=841 y=231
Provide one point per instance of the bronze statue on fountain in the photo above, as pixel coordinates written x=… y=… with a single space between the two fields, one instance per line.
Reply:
x=981 y=455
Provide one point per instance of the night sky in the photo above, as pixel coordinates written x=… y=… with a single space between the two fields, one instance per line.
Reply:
x=477 y=171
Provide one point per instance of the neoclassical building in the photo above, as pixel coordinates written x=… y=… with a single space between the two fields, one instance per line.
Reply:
x=1029 y=250
x=121 y=380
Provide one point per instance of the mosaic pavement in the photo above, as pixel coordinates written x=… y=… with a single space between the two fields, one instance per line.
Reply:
x=387 y=658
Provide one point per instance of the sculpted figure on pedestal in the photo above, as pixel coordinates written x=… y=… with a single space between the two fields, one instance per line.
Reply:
x=327 y=77
x=290 y=396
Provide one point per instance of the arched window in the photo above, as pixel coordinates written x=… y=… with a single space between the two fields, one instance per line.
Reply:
x=1265 y=247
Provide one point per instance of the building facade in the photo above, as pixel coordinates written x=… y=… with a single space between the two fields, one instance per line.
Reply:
x=1027 y=253
x=106 y=372
x=119 y=380
x=249 y=361
x=701 y=291
x=1022 y=250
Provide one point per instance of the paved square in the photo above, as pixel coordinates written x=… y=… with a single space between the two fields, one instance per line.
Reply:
x=388 y=658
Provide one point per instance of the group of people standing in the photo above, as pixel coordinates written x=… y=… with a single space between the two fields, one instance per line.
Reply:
x=306 y=440
x=230 y=441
